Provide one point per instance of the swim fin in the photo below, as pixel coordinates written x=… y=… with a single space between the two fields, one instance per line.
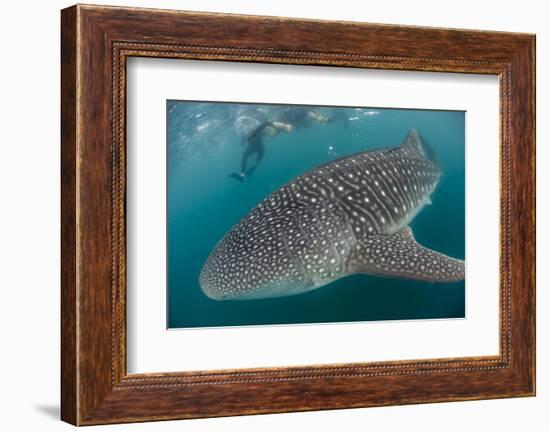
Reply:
x=237 y=177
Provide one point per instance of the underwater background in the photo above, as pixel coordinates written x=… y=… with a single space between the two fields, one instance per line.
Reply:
x=205 y=147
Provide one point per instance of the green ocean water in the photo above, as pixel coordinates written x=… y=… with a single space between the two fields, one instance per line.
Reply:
x=204 y=148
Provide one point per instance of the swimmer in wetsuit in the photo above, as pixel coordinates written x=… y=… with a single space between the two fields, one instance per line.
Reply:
x=290 y=119
x=255 y=145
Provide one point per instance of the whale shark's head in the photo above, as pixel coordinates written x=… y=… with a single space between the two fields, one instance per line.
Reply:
x=252 y=262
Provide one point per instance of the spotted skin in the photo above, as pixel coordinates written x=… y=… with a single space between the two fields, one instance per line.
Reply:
x=348 y=216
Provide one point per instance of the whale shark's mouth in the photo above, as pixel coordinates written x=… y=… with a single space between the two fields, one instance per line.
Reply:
x=235 y=289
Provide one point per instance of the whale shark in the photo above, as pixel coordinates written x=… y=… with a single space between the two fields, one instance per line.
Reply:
x=345 y=217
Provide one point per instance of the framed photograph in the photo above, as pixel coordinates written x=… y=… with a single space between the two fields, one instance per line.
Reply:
x=285 y=220
x=324 y=209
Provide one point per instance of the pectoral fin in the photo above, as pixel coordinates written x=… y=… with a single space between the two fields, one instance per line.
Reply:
x=399 y=255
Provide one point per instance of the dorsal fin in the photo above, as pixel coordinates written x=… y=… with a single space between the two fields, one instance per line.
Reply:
x=412 y=146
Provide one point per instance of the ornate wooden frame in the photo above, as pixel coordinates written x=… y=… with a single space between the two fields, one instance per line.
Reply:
x=95 y=42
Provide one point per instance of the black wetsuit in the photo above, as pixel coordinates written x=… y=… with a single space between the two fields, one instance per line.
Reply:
x=296 y=117
x=254 y=145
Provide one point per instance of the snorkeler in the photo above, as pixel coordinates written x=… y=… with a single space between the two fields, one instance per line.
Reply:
x=339 y=116
x=255 y=145
x=299 y=117
x=290 y=119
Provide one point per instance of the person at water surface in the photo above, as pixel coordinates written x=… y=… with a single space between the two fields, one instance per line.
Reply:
x=301 y=117
x=289 y=120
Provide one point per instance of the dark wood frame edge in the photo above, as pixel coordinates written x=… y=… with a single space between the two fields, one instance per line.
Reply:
x=95 y=388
